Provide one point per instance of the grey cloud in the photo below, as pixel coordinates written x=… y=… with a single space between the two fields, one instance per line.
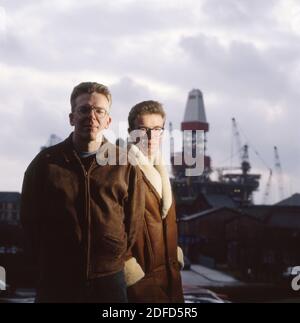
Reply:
x=85 y=34
x=242 y=68
x=126 y=93
x=239 y=13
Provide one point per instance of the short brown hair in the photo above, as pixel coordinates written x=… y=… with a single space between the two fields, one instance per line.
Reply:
x=89 y=87
x=145 y=107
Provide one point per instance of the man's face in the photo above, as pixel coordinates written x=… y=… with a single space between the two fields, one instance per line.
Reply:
x=150 y=129
x=90 y=116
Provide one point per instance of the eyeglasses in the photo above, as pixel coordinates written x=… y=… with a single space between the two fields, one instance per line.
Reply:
x=156 y=131
x=85 y=110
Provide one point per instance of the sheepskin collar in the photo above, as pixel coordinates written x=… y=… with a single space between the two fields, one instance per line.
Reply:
x=156 y=172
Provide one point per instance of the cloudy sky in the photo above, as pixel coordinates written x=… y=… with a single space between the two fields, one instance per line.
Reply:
x=243 y=55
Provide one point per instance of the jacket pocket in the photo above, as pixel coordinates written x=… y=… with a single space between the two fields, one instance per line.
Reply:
x=113 y=246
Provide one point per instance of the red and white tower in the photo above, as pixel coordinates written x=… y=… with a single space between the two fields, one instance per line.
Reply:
x=194 y=119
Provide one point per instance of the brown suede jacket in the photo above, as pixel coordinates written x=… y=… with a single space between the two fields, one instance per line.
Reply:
x=79 y=222
x=155 y=255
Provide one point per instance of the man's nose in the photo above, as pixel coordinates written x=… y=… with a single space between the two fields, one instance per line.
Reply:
x=149 y=133
x=92 y=113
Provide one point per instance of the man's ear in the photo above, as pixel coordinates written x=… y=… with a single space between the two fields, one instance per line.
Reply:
x=71 y=119
x=108 y=122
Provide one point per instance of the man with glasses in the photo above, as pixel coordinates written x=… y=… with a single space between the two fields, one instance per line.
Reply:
x=153 y=271
x=80 y=214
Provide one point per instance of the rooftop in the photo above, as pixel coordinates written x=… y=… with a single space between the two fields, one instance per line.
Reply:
x=9 y=197
x=293 y=200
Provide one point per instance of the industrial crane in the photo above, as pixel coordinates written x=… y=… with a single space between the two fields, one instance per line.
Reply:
x=279 y=175
x=278 y=169
x=237 y=137
x=266 y=195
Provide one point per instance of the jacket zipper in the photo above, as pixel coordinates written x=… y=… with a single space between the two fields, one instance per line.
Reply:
x=86 y=180
x=87 y=216
x=87 y=185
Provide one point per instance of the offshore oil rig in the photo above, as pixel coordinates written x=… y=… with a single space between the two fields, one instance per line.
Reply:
x=235 y=185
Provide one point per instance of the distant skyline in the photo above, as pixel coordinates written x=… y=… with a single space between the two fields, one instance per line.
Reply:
x=243 y=55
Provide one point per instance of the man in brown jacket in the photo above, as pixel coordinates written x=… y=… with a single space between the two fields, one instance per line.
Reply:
x=80 y=213
x=153 y=269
